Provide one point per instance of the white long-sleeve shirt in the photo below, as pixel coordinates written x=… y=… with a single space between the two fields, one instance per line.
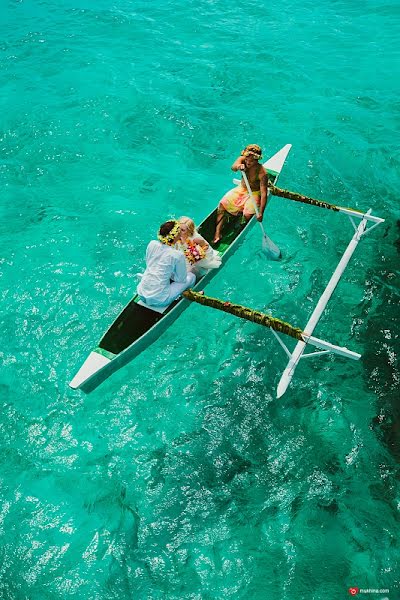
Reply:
x=163 y=264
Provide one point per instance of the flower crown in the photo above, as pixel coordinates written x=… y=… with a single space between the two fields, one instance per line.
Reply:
x=170 y=237
x=253 y=151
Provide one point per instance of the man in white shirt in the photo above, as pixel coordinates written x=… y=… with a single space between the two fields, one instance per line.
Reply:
x=166 y=276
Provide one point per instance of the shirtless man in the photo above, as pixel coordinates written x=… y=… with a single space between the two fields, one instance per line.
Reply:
x=237 y=200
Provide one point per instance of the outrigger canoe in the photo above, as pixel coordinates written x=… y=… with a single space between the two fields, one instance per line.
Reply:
x=138 y=326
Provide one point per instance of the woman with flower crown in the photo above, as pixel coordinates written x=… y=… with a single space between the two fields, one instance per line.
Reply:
x=200 y=257
x=237 y=200
x=166 y=275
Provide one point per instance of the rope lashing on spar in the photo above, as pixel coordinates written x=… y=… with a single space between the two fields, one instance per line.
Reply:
x=275 y=191
x=245 y=313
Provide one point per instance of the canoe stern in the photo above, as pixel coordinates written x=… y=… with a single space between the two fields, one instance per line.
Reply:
x=95 y=362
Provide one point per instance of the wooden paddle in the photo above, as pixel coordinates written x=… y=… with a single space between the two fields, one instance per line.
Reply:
x=269 y=248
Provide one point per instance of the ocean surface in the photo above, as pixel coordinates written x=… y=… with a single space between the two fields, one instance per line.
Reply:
x=182 y=477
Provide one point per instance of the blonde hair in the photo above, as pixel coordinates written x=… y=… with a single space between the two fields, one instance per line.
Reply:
x=253 y=150
x=189 y=224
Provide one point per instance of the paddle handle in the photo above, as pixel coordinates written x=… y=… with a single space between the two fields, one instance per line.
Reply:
x=268 y=244
x=246 y=181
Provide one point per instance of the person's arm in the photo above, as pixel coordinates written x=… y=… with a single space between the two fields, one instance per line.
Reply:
x=238 y=165
x=200 y=241
x=180 y=272
x=264 y=192
x=149 y=250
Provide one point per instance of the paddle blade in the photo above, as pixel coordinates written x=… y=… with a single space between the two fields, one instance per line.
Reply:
x=270 y=249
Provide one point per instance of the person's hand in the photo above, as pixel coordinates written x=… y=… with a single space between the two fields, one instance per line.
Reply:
x=242 y=167
x=260 y=217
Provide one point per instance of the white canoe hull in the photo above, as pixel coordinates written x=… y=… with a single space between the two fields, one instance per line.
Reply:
x=100 y=364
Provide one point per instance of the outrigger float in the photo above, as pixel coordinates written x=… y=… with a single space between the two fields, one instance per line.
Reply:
x=138 y=326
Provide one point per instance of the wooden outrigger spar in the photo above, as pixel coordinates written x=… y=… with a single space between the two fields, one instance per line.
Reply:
x=276 y=325
x=138 y=326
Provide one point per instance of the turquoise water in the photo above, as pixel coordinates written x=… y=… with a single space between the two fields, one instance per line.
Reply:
x=182 y=476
